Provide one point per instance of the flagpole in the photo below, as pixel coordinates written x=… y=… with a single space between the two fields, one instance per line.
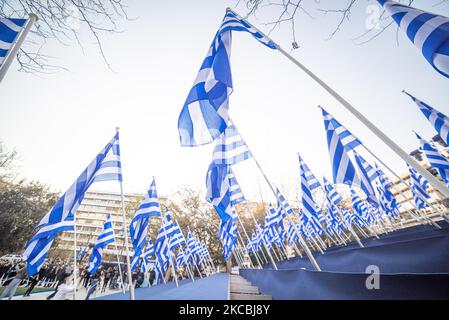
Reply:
x=16 y=46
x=405 y=183
x=382 y=136
x=118 y=258
x=249 y=240
x=74 y=256
x=170 y=252
x=187 y=264
x=303 y=244
x=125 y=233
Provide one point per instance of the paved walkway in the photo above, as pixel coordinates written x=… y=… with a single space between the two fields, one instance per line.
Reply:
x=214 y=287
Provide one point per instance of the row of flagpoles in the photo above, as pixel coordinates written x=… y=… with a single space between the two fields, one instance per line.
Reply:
x=205 y=118
x=191 y=252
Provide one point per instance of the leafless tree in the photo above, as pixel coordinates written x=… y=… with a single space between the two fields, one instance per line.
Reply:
x=289 y=11
x=61 y=20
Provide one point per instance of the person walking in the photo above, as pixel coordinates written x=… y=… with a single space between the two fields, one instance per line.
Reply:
x=65 y=290
x=11 y=288
x=32 y=283
x=107 y=278
x=61 y=276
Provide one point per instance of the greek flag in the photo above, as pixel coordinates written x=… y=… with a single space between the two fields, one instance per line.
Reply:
x=177 y=240
x=147 y=254
x=343 y=170
x=236 y=194
x=180 y=259
x=436 y=159
x=227 y=233
x=192 y=248
x=419 y=186
x=347 y=139
x=286 y=209
x=428 y=32
x=437 y=119
x=10 y=29
x=166 y=231
x=218 y=190
x=105 y=166
x=230 y=148
x=106 y=237
x=367 y=176
x=332 y=194
x=307 y=178
x=149 y=207
x=204 y=115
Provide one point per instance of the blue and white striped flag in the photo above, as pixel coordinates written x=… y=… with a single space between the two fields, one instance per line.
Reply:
x=419 y=187
x=436 y=159
x=284 y=205
x=138 y=229
x=367 y=176
x=308 y=204
x=333 y=196
x=343 y=170
x=218 y=189
x=177 y=239
x=105 y=166
x=437 y=119
x=192 y=248
x=106 y=237
x=162 y=243
x=428 y=32
x=347 y=139
x=147 y=254
x=204 y=115
x=230 y=148
x=236 y=194
x=10 y=29
x=180 y=259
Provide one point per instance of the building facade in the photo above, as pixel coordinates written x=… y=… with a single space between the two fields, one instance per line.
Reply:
x=90 y=218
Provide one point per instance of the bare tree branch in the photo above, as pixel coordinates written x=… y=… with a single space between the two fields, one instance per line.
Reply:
x=62 y=20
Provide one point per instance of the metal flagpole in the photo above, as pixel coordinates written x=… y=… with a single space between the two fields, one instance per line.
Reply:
x=249 y=241
x=125 y=233
x=405 y=183
x=187 y=264
x=118 y=259
x=382 y=136
x=74 y=256
x=16 y=46
x=302 y=242
x=170 y=253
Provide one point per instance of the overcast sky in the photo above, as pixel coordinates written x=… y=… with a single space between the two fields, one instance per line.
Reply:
x=59 y=122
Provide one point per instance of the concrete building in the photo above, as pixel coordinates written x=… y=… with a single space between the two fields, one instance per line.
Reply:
x=90 y=218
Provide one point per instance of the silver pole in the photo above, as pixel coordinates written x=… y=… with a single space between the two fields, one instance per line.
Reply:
x=118 y=259
x=125 y=234
x=16 y=46
x=302 y=242
x=74 y=255
x=382 y=136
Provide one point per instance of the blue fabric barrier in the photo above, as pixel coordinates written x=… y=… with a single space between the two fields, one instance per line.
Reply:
x=215 y=287
x=419 y=250
x=313 y=285
x=413 y=264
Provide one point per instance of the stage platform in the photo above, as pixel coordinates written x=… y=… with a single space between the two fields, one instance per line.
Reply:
x=215 y=287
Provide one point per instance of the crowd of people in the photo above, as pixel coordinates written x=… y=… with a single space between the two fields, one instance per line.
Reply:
x=57 y=274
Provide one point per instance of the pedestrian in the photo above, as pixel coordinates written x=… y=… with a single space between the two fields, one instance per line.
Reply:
x=61 y=276
x=11 y=288
x=107 y=278
x=32 y=283
x=65 y=290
